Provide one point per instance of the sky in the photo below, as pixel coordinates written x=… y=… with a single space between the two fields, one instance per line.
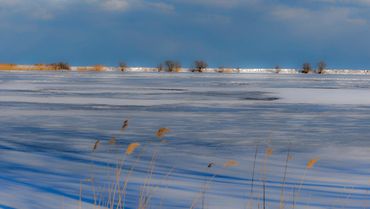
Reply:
x=232 y=33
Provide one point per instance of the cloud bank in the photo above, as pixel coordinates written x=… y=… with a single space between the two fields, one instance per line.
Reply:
x=256 y=33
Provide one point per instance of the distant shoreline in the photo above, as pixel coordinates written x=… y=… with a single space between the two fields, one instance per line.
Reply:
x=100 y=68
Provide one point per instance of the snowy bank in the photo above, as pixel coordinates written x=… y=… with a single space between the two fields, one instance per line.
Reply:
x=37 y=67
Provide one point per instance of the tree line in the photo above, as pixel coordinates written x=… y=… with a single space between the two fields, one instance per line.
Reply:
x=201 y=65
x=197 y=66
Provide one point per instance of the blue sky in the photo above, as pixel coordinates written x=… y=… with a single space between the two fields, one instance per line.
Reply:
x=237 y=33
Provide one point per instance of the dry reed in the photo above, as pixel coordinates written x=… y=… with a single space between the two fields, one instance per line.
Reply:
x=124 y=125
x=96 y=145
x=231 y=163
x=55 y=66
x=268 y=152
x=309 y=165
x=131 y=148
x=116 y=191
x=91 y=68
x=312 y=162
x=251 y=196
x=112 y=141
x=288 y=157
x=162 y=132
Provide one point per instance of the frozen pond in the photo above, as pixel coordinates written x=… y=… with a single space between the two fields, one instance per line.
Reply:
x=51 y=120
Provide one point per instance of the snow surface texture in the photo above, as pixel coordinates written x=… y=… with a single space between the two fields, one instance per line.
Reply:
x=50 y=121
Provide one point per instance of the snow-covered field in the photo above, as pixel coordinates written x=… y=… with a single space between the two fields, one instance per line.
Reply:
x=51 y=120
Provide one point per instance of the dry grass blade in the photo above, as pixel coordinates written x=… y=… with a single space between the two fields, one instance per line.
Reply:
x=80 y=200
x=131 y=148
x=112 y=141
x=288 y=157
x=309 y=165
x=253 y=174
x=124 y=125
x=161 y=132
x=231 y=163
x=96 y=145
x=312 y=162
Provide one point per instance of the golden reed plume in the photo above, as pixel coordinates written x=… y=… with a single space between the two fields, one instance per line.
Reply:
x=312 y=162
x=268 y=152
x=231 y=163
x=131 y=148
x=161 y=132
x=290 y=157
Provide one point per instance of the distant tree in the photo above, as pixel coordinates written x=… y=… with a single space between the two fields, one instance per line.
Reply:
x=221 y=69
x=160 y=67
x=122 y=66
x=321 y=67
x=61 y=66
x=277 y=69
x=306 y=68
x=172 y=66
x=199 y=66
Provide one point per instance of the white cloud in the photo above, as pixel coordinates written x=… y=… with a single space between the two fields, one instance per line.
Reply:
x=167 y=8
x=48 y=9
x=333 y=11
x=320 y=24
x=226 y=4
x=118 y=5
x=38 y=9
x=353 y=2
x=325 y=16
x=125 y=5
x=111 y=5
x=219 y=3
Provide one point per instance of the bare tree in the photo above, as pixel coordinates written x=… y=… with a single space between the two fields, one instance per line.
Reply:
x=160 y=67
x=122 y=66
x=321 y=67
x=172 y=66
x=199 y=66
x=306 y=68
x=221 y=69
x=61 y=66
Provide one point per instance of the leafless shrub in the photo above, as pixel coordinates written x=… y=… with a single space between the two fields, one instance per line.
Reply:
x=122 y=66
x=199 y=66
x=277 y=69
x=160 y=67
x=321 y=67
x=172 y=66
x=221 y=69
x=61 y=66
x=306 y=68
